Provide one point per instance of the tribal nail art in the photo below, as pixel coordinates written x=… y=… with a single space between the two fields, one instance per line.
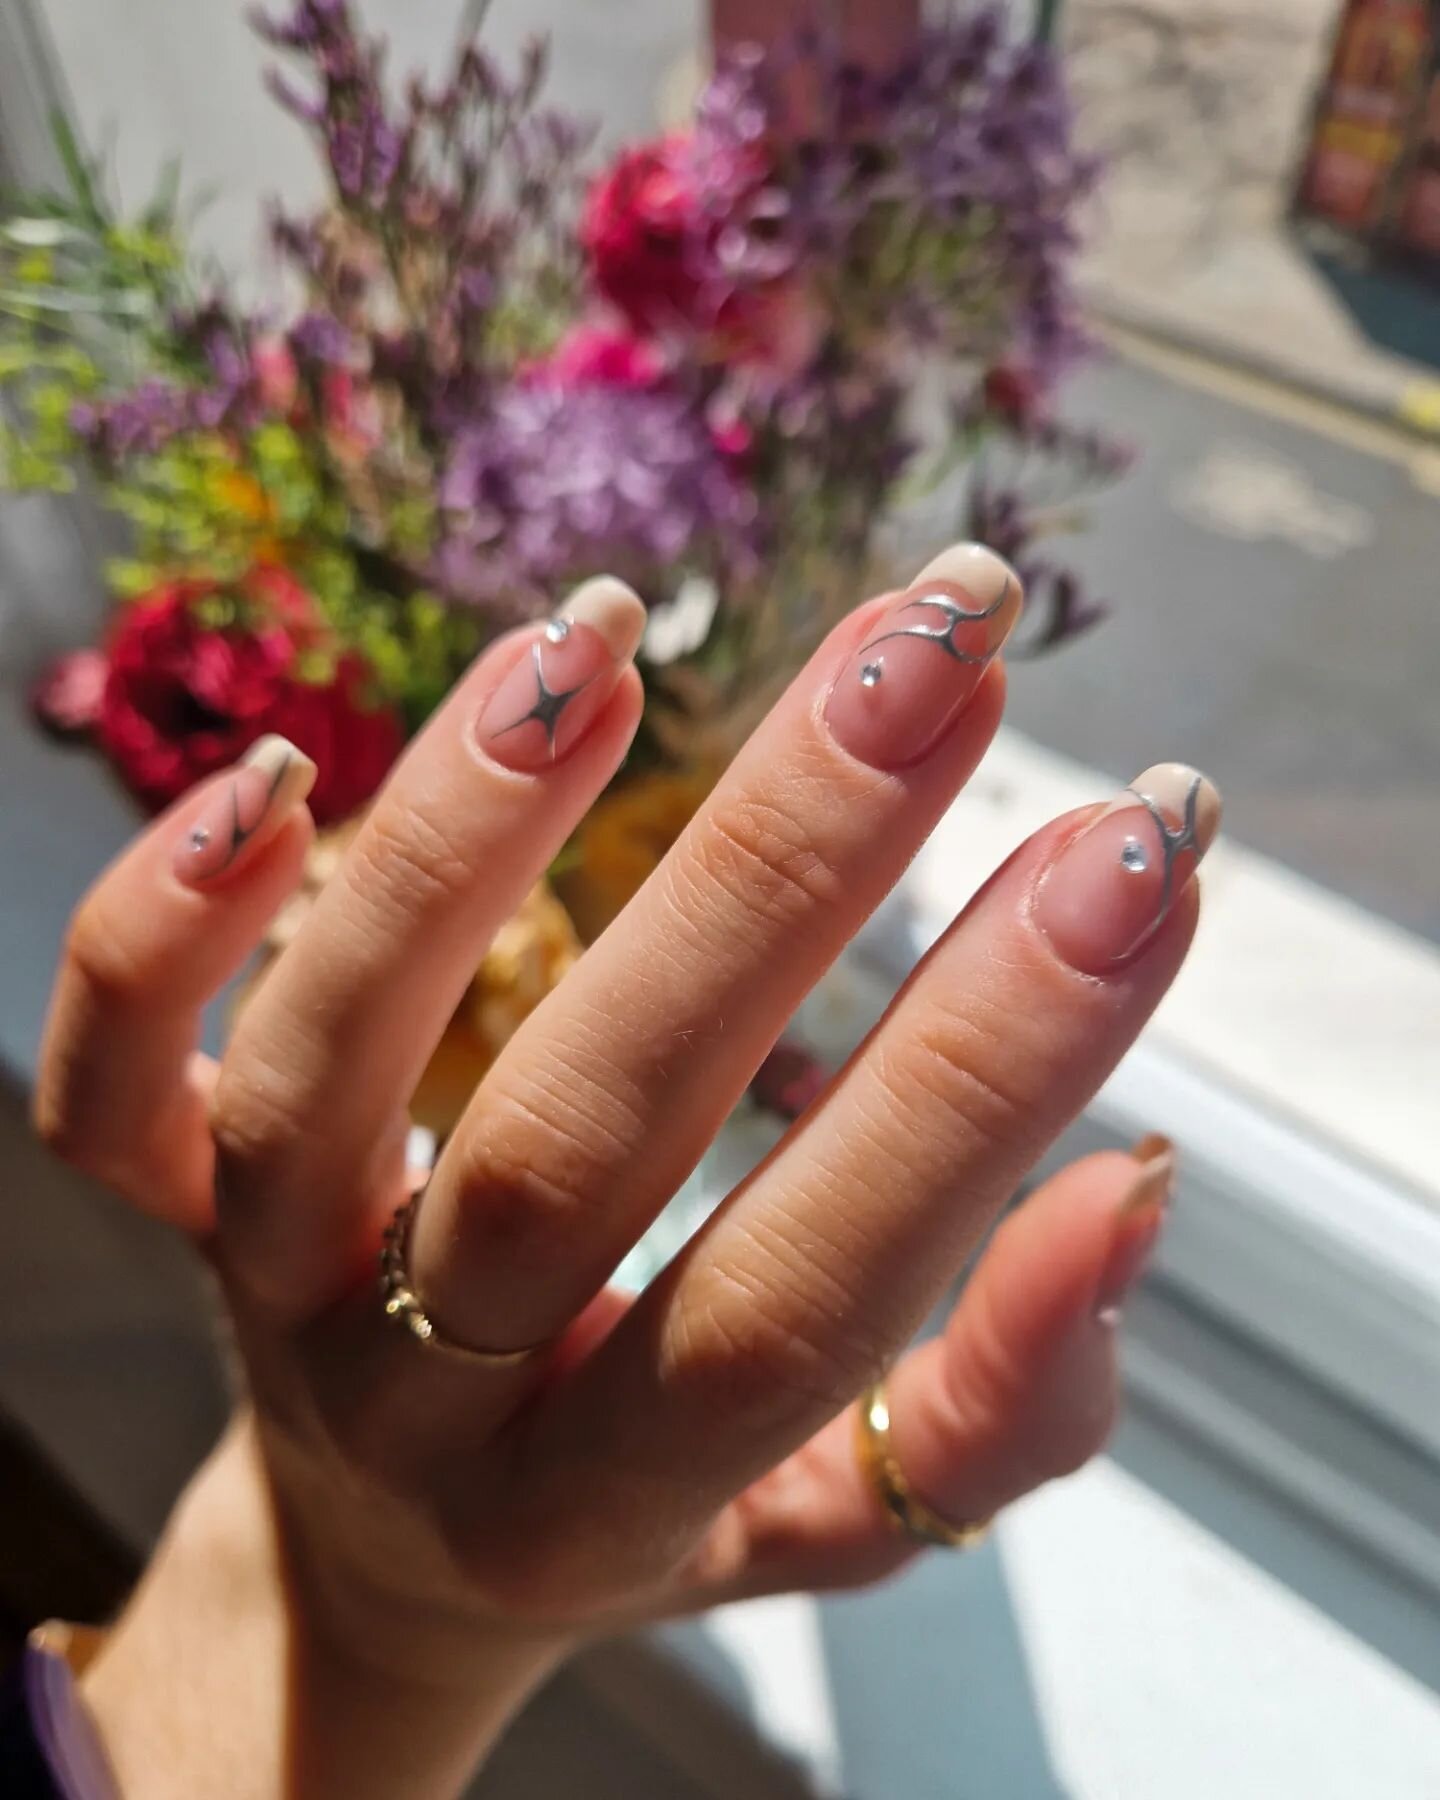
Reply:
x=259 y=796
x=551 y=696
x=953 y=616
x=895 y=698
x=1112 y=888
x=548 y=705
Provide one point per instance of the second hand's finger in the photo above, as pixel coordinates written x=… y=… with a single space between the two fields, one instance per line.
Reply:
x=1019 y=1389
x=121 y=1091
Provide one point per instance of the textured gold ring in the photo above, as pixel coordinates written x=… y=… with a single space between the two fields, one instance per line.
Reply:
x=904 y=1508
x=403 y=1304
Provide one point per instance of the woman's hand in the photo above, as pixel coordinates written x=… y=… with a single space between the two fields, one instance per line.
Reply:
x=397 y=1539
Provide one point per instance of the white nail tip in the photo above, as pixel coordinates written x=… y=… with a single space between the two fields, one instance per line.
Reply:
x=613 y=610
x=971 y=566
x=1168 y=786
x=278 y=758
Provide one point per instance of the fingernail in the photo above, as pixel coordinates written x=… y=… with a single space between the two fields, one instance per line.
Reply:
x=1138 y=1220
x=1109 y=889
x=923 y=658
x=245 y=811
x=553 y=695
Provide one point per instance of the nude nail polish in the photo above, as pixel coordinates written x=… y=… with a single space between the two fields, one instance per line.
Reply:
x=245 y=811
x=1138 y=1222
x=923 y=657
x=552 y=696
x=1111 y=888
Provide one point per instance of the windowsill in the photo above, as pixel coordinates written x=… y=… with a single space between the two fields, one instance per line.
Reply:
x=1309 y=1212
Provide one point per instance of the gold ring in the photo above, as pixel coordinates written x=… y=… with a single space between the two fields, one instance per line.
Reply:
x=403 y=1304
x=904 y=1508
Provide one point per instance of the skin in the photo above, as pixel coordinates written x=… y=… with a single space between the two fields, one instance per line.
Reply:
x=392 y=1545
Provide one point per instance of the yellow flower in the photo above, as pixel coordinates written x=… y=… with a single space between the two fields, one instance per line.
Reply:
x=236 y=492
x=628 y=831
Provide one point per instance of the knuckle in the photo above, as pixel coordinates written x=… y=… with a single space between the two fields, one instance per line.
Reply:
x=406 y=862
x=535 y=1170
x=971 y=1061
x=252 y=1121
x=102 y=958
x=756 y=854
x=998 y=1400
x=761 y=1358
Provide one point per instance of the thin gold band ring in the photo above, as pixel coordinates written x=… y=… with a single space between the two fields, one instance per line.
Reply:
x=403 y=1304
x=904 y=1508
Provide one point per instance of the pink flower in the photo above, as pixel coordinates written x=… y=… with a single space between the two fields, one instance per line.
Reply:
x=67 y=698
x=642 y=229
x=277 y=380
x=605 y=354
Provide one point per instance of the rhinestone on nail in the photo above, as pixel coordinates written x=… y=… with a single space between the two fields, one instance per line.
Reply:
x=871 y=673
x=1134 y=856
x=557 y=631
x=199 y=837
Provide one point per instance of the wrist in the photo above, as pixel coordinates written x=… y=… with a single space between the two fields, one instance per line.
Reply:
x=228 y=1675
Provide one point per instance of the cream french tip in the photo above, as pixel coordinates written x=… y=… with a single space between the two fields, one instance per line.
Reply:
x=1111 y=888
x=921 y=660
x=245 y=810
x=547 y=702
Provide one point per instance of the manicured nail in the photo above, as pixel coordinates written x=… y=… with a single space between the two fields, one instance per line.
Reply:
x=923 y=658
x=554 y=694
x=1138 y=1220
x=245 y=811
x=1110 y=889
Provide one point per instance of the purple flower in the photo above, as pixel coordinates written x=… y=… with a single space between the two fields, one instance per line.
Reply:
x=559 y=482
x=320 y=337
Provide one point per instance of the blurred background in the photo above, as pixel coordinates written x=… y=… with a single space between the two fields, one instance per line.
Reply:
x=1244 y=1596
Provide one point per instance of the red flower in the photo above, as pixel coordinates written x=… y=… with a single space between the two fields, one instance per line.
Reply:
x=1013 y=394
x=183 y=699
x=642 y=230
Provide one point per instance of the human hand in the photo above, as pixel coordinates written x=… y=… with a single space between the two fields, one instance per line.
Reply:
x=438 y=1528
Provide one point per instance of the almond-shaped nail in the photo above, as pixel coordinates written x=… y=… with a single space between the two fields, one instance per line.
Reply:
x=910 y=678
x=555 y=692
x=1138 y=1220
x=245 y=811
x=1110 y=889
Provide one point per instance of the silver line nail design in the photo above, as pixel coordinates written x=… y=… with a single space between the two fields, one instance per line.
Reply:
x=549 y=705
x=1173 y=840
x=262 y=791
x=942 y=635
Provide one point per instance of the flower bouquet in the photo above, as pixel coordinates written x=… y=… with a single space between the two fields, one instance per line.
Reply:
x=727 y=366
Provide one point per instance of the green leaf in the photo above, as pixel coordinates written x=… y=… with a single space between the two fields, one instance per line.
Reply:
x=77 y=169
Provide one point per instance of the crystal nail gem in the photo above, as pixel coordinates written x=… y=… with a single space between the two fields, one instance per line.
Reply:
x=1134 y=856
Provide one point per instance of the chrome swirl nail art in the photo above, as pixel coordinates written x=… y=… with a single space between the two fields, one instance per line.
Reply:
x=942 y=635
x=916 y=668
x=1112 y=887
